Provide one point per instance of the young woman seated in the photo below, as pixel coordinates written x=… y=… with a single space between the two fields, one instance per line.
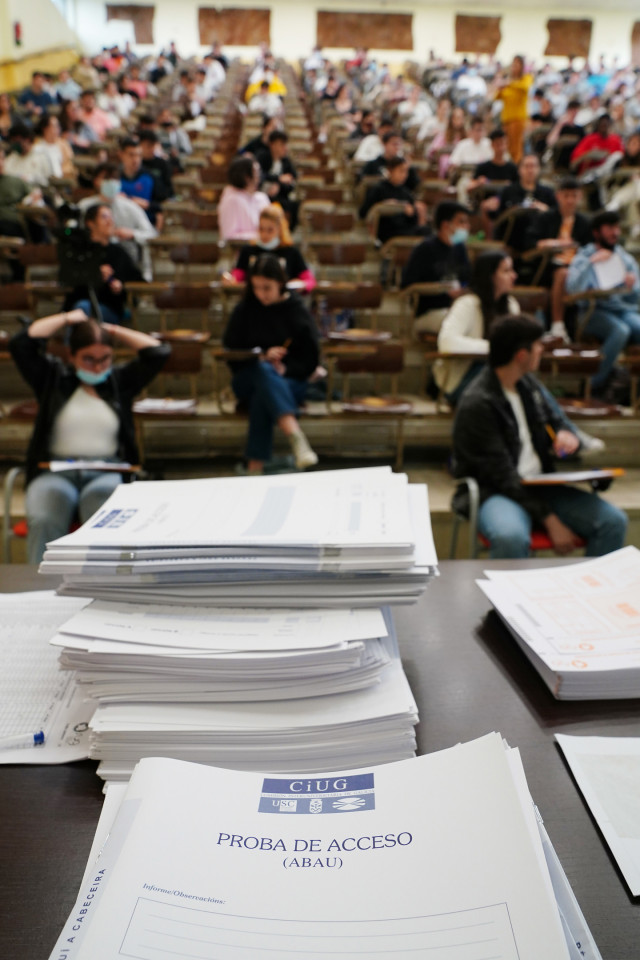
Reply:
x=84 y=413
x=274 y=237
x=273 y=384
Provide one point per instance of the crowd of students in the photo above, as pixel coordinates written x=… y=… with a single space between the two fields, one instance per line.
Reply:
x=492 y=135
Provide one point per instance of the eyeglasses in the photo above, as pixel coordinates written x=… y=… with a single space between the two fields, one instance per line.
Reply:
x=93 y=363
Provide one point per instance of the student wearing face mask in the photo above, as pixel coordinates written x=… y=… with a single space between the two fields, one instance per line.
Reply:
x=84 y=412
x=132 y=227
x=441 y=258
x=274 y=237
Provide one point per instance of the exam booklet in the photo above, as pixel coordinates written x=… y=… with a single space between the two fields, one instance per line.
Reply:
x=579 y=624
x=439 y=856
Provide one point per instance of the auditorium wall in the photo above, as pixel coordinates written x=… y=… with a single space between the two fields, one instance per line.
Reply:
x=293 y=26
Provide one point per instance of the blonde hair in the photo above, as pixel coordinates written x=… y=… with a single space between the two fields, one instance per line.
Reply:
x=275 y=214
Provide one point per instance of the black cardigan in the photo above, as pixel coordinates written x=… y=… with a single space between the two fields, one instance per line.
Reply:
x=253 y=325
x=53 y=383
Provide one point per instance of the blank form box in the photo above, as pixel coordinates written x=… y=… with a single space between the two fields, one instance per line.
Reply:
x=158 y=931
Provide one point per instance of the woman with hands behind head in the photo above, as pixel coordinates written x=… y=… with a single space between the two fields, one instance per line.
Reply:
x=84 y=412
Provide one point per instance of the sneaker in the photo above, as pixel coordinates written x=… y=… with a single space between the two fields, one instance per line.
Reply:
x=304 y=455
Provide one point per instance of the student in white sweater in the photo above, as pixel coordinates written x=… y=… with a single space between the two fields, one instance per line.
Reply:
x=466 y=325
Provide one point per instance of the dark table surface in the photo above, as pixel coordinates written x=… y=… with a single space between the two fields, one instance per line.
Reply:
x=468 y=678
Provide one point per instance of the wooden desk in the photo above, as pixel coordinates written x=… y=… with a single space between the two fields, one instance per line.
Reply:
x=468 y=678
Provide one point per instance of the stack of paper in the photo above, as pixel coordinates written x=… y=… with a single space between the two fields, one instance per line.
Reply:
x=336 y=538
x=369 y=725
x=439 y=856
x=578 y=624
x=134 y=652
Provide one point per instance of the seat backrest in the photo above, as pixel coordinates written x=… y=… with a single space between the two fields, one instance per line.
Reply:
x=195 y=253
x=388 y=358
x=183 y=297
x=340 y=254
x=357 y=296
x=14 y=296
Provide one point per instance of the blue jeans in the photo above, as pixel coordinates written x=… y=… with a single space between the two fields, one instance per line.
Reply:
x=53 y=499
x=269 y=397
x=507 y=525
x=614 y=329
x=108 y=315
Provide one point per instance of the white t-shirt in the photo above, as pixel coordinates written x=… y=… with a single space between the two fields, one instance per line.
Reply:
x=468 y=152
x=86 y=427
x=529 y=463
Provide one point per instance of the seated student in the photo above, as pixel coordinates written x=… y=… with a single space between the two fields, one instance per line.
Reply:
x=13 y=192
x=615 y=321
x=266 y=103
x=116 y=269
x=503 y=432
x=566 y=126
x=527 y=193
x=261 y=141
x=24 y=160
x=412 y=214
x=92 y=116
x=474 y=149
x=241 y=201
x=465 y=328
x=155 y=163
x=84 y=412
x=563 y=227
x=499 y=167
x=274 y=237
x=441 y=258
x=273 y=385
x=602 y=140
x=55 y=147
x=279 y=174
x=36 y=99
x=132 y=226
x=392 y=146
x=139 y=184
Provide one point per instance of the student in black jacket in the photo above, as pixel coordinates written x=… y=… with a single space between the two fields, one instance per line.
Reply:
x=84 y=412
x=411 y=216
x=279 y=174
x=527 y=194
x=505 y=430
x=440 y=259
x=116 y=269
x=567 y=229
x=273 y=384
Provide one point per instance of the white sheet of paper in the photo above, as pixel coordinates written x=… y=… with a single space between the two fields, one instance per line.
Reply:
x=607 y=770
x=285 y=867
x=224 y=628
x=34 y=694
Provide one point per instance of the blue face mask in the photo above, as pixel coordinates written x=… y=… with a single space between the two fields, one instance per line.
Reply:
x=461 y=235
x=110 y=189
x=272 y=244
x=92 y=379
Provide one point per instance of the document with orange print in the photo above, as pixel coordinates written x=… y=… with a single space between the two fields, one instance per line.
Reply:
x=579 y=623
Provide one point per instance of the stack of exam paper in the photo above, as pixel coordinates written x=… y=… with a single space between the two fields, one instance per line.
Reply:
x=249 y=689
x=234 y=625
x=439 y=856
x=579 y=624
x=335 y=538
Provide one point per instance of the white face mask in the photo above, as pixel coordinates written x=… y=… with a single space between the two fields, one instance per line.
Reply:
x=270 y=244
x=110 y=188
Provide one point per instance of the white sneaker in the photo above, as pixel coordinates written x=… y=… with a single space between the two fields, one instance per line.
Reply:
x=304 y=455
x=559 y=330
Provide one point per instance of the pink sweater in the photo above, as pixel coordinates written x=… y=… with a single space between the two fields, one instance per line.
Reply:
x=239 y=213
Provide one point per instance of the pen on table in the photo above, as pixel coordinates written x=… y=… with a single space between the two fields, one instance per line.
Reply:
x=22 y=740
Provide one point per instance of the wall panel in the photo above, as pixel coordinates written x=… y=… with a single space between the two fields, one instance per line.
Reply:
x=375 y=31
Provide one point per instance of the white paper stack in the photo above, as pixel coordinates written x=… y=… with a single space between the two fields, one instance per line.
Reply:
x=142 y=653
x=335 y=538
x=439 y=856
x=370 y=725
x=579 y=624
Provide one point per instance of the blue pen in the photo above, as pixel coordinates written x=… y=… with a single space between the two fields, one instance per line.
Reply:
x=22 y=740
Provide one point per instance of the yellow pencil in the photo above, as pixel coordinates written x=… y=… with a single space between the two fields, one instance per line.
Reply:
x=551 y=432
x=287 y=343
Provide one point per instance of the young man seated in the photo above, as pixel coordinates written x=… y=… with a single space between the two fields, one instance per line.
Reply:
x=505 y=430
x=441 y=258
x=412 y=214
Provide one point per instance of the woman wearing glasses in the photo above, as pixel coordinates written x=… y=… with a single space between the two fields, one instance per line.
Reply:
x=84 y=413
